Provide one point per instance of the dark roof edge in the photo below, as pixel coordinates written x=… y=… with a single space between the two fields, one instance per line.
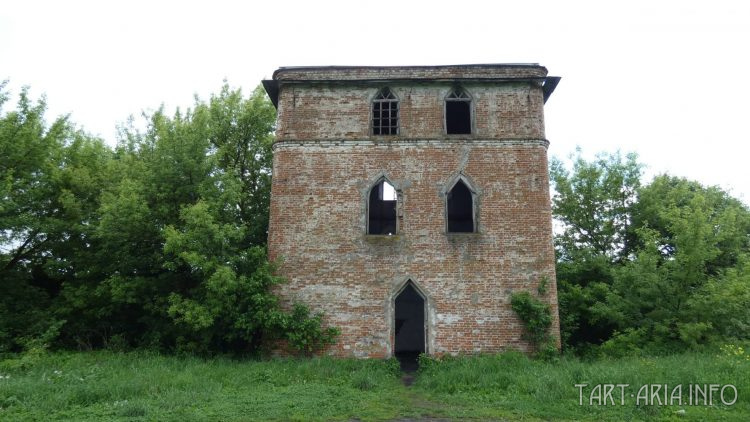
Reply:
x=272 y=89
x=549 y=83
x=495 y=65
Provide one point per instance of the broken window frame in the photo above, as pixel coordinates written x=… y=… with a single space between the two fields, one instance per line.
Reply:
x=473 y=211
x=377 y=187
x=385 y=98
x=458 y=94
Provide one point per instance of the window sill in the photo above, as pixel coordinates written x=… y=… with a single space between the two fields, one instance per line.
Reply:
x=459 y=235
x=382 y=239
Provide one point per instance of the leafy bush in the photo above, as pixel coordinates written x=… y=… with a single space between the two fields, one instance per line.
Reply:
x=305 y=332
x=537 y=318
x=157 y=243
x=654 y=268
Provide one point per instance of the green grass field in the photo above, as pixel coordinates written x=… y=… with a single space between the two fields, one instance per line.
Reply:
x=145 y=386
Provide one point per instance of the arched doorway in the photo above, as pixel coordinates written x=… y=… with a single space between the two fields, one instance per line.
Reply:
x=409 y=324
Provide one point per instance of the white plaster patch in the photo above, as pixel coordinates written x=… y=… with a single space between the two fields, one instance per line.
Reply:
x=481 y=321
x=448 y=318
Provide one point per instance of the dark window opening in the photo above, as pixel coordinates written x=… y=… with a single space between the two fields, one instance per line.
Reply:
x=460 y=209
x=409 y=327
x=458 y=117
x=382 y=209
x=457 y=113
x=385 y=113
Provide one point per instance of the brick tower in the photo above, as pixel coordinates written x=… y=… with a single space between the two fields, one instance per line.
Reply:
x=409 y=202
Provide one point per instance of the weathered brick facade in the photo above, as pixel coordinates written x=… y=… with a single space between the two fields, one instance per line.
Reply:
x=326 y=161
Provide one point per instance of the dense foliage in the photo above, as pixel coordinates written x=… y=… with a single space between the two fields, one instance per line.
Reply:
x=658 y=267
x=159 y=242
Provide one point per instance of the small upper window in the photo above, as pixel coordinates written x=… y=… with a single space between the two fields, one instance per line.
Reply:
x=385 y=113
x=460 y=209
x=381 y=209
x=457 y=112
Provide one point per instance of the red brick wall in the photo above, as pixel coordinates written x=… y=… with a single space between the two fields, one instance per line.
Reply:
x=340 y=111
x=325 y=162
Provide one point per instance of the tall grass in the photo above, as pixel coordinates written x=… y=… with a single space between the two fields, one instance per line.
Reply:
x=146 y=386
x=511 y=385
x=103 y=385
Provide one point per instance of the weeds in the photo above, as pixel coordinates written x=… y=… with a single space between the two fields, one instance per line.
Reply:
x=508 y=386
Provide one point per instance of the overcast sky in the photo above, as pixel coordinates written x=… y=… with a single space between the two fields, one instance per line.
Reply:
x=666 y=79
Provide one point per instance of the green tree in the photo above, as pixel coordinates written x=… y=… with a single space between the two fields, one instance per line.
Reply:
x=158 y=243
x=240 y=130
x=647 y=267
x=592 y=205
x=182 y=235
x=692 y=247
x=50 y=177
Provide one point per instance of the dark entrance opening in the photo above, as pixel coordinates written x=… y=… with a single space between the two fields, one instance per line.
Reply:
x=409 y=327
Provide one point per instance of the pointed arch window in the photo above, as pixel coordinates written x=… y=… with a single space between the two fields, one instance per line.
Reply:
x=381 y=209
x=460 y=209
x=385 y=113
x=457 y=112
